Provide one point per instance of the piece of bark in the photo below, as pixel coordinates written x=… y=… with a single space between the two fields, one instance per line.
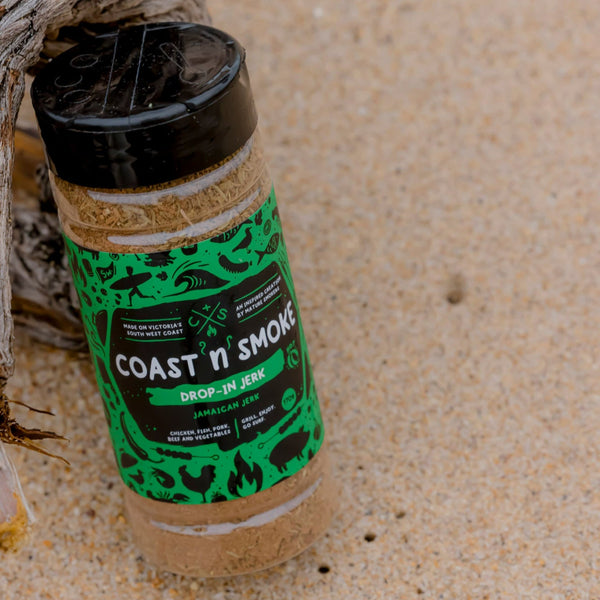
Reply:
x=44 y=301
x=45 y=306
x=25 y=25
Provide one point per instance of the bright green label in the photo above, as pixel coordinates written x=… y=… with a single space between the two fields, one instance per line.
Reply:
x=202 y=363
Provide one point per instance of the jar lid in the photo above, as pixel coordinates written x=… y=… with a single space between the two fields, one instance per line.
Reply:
x=144 y=105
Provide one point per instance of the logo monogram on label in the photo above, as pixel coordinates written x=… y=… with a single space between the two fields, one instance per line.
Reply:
x=206 y=319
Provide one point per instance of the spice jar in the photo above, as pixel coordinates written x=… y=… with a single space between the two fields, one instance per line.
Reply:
x=176 y=249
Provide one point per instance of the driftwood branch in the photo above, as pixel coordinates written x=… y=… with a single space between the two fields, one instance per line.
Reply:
x=44 y=302
x=33 y=31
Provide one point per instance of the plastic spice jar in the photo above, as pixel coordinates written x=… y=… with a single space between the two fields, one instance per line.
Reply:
x=177 y=253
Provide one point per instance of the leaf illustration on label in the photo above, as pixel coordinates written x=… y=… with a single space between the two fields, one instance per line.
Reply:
x=198 y=279
x=233 y=267
x=101 y=324
x=200 y=484
x=288 y=448
x=270 y=248
x=228 y=235
x=245 y=241
x=88 y=267
x=106 y=273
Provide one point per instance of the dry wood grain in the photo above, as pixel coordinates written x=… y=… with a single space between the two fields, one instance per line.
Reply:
x=25 y=27
x=32 y=31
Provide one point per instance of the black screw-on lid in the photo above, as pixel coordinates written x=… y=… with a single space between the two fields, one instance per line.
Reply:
x=144 y=105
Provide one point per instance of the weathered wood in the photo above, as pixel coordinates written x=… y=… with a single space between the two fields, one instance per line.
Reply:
x=24 y=27
x=44 y=300
x=27 y=28
x=34 y=30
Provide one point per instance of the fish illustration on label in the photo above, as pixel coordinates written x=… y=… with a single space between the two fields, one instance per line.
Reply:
x=270 y=248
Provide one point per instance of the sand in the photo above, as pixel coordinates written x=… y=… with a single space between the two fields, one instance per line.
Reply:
x=411 y=143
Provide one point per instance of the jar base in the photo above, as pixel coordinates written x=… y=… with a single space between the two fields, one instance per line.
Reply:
x=237 y=536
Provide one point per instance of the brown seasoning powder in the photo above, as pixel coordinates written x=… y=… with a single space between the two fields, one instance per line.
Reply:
x=13 y=531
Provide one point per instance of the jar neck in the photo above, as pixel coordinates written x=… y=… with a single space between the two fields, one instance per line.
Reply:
x=180 y=188
x=162 y=217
